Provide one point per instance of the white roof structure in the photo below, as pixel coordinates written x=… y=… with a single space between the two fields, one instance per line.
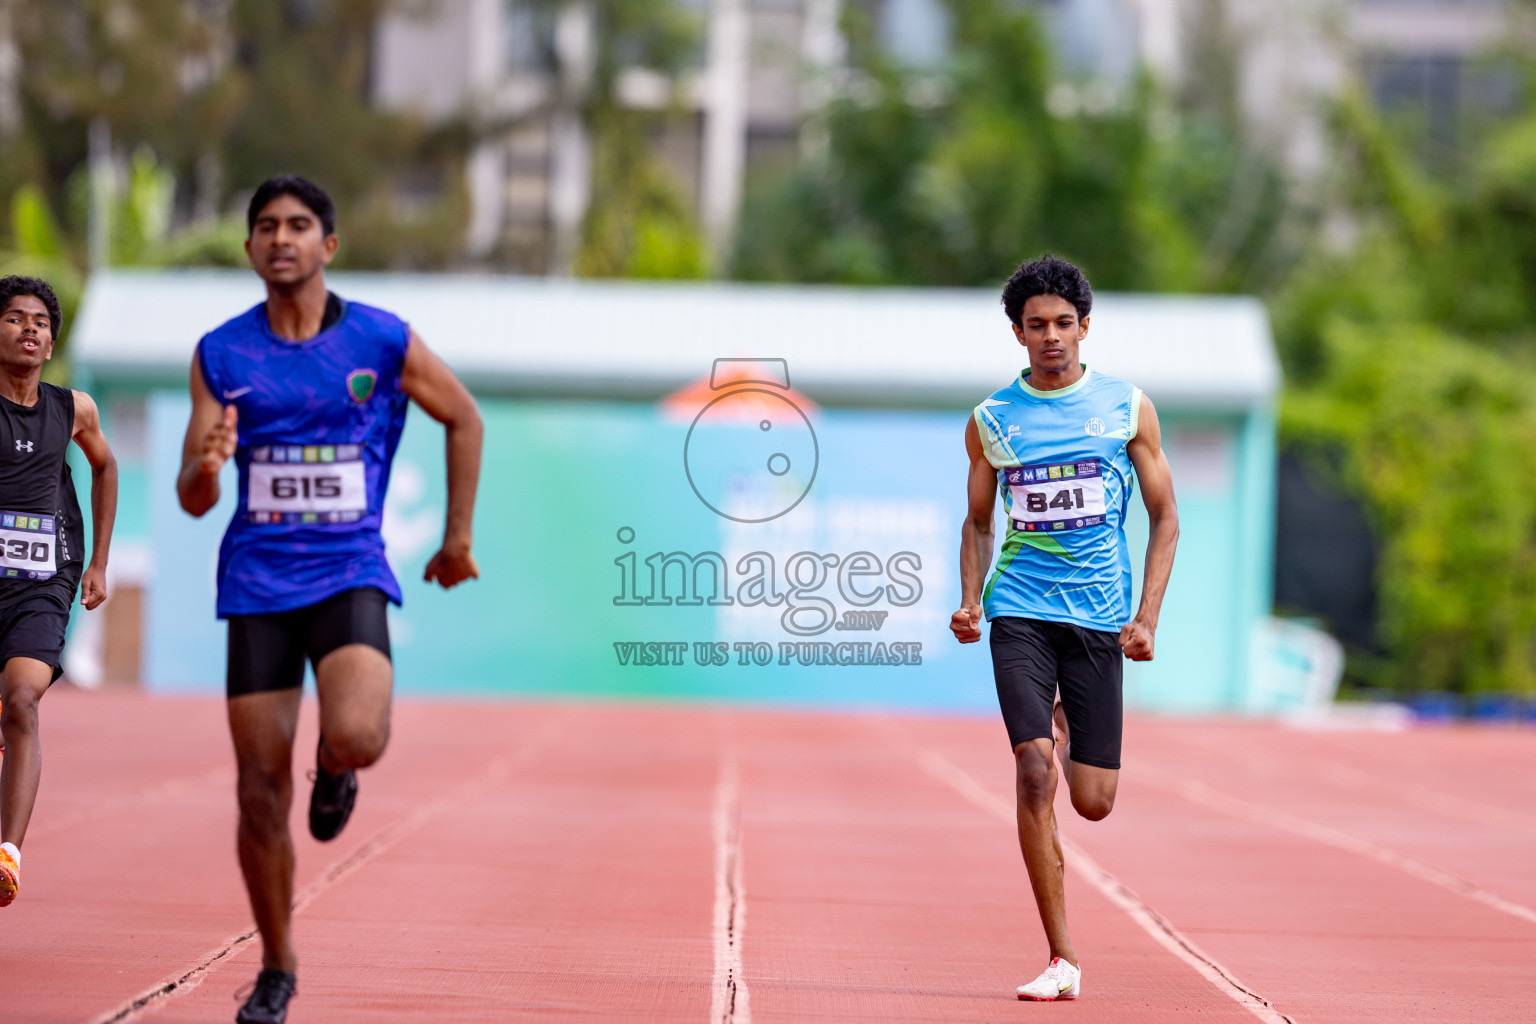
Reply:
x=624 y=339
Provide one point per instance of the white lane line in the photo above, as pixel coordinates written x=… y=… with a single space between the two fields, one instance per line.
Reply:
x=1235 y=807
x=1360 y=783
x=157 y=995
x=1114 y=890
x=729 y=1002
x=153 y=998
x=1351 y=779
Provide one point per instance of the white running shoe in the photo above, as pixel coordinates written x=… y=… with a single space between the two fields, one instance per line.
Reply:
x=1059 y=981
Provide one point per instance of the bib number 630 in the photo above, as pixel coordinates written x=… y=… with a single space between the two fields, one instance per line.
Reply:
x=19 y=550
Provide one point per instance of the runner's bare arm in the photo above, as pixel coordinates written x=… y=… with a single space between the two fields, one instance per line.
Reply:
x=976 y=537
x=210 y=441
x=431 y=385
x=1146 y=452
x=88 y=435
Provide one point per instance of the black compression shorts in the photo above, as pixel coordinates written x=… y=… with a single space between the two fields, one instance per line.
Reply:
x=267 y=652
x=1031 y=659
x=32 y=624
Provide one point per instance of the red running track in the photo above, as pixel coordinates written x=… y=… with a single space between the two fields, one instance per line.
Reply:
x=517 y=861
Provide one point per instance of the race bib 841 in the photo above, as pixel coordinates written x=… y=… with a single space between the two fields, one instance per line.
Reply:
x=1056 y=496
x=307 y=483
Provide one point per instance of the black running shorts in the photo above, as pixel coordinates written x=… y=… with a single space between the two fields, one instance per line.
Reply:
x=1031 y=659
x=267 y=652
x=32 y=624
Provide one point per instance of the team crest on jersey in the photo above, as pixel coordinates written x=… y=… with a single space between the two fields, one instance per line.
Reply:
x=360 y=384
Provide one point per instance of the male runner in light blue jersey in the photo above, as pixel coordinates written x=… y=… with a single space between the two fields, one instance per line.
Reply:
x=1064 y=446
x=308 y=393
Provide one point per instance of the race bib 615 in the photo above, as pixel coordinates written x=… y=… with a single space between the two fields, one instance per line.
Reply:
x=307 y=483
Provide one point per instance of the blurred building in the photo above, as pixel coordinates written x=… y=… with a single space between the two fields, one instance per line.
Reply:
x=10 y=64
x=1430 y=56
x=1418 y=59
x=517 y=70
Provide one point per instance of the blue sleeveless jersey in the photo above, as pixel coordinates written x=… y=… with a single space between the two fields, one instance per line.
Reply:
x=1065 y=480
x=319 y=424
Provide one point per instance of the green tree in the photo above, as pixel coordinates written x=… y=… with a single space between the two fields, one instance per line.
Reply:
x=1407 y=328
x=302 y=72
x=638 y=223
x=952 y=176
x=152 y=71
x=1411 y=357
x=1438 y=436
x=202 y=102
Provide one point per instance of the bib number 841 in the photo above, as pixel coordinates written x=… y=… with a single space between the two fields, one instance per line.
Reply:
x=1065 y=500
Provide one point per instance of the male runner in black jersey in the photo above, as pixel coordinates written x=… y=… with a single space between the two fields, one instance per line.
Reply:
x=41 y=541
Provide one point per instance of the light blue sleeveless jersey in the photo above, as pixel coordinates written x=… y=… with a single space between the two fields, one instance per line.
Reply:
x=319 y=424
x=1066 y=479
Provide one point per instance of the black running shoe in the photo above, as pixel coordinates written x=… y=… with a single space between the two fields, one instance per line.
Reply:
x=330 y=802
x=268 y=1003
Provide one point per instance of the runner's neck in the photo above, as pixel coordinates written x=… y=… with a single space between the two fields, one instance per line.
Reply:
x=298 y=314
x=21 y=388
x=1055 y=380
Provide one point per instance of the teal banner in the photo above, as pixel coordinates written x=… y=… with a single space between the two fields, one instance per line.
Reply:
x=746 y=547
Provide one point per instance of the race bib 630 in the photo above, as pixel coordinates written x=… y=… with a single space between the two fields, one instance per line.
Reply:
x=27 y=544
x=307 y=483
x=1056 y=496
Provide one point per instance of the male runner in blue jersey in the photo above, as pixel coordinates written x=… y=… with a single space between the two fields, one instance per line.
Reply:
x=1060 y=443
x=308 y=392
x=42 y=541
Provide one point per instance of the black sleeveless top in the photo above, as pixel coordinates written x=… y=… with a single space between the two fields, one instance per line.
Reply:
x=35 y=478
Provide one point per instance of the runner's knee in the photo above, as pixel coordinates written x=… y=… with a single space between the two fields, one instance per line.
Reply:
x=1093 y=806
x=18 y=717
x=1037 y=778
x=265 y=799
x=358 y=746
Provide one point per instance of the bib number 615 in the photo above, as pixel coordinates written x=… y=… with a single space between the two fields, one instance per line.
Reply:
x=289 y=487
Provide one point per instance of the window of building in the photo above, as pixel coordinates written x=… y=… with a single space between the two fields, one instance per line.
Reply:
x=529 y=43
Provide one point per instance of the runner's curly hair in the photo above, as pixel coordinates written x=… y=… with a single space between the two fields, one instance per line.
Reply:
x=1048 y=275
x=14 y=285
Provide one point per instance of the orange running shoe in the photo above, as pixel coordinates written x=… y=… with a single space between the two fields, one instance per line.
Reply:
x=10 y=877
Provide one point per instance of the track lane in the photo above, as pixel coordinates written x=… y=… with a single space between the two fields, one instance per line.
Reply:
x=877 y=894
x=1447 y=797
x=577 y=887
x=1284 y=910
x=111 y=893
x=584 y=884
